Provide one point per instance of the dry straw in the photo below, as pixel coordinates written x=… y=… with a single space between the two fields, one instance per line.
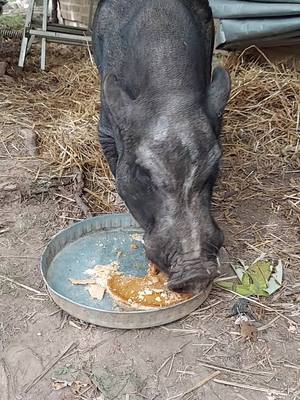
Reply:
x=260 y=141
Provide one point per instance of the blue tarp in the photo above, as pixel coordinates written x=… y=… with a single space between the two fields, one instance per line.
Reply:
x=265 y=23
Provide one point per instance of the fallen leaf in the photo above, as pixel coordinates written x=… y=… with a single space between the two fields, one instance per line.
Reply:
x=275 y=280
x=58 y=384
x=260 y=279
x=96 y=291
x=82 y=281
x=76 y=386
x=134 y=246
x=260 y=272
x=248 y=331
x=239 y=270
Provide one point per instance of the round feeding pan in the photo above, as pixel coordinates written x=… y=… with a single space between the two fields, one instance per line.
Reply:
x=103 y=240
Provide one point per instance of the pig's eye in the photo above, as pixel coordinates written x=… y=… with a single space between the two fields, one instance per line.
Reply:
x=141 y=174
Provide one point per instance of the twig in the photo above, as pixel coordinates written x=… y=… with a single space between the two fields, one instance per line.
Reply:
x=164 y=363
x=241 y=396
x=172 y=356
x=209 y=349
x=54 y=313
x=203 y=382
x=23 y=286
x=292 y=366
x=207 y=307
x=31 y=257
x=266 y=326
x=51 y=365
x=171 y=365
x=232 y=370
x=256 y=388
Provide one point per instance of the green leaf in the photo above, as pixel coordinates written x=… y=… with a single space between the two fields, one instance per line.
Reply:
x=260 y=273
x=275 y=281
x=260 y=279
x=225 y=285
x=244 y=290
x=246 y=280
x=239 y=270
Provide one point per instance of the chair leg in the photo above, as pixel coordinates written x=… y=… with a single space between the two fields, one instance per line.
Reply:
x=44 y=28
x=24 y=45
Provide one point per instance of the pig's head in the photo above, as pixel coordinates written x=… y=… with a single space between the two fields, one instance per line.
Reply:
x=168 y=161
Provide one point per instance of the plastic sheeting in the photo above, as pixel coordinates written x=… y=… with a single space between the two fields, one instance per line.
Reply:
x=265 y=23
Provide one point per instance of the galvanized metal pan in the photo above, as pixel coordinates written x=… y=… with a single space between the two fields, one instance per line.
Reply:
x=102 y=240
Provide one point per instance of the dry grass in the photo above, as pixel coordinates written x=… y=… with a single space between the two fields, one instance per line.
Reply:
x=262 y=134
x=62 y=107
x=260 y=138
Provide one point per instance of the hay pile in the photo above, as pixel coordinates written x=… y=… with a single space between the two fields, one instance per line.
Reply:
x=261 y=135
x=260 y=140
x=62 y=107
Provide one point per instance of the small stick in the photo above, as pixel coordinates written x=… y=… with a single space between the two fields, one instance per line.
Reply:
x=171 y=365
x=51 y=365
x=209 y=349
x=163 y=364
x=292 y=366
x=207 y=307
x=203 y=382
x=241 y=397
x=23 y=286
x=266 y=326
x=257 y=388
x=54 y=312
x=172 y=356
x=232 y=370
x=32 y=257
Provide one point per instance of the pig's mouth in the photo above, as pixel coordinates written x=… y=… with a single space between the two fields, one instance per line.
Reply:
x=192 y=279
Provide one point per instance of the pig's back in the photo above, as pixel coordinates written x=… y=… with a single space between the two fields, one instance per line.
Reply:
x=142 y=41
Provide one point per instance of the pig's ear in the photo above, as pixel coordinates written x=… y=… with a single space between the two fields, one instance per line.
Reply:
x=118 y=101
x=218 y=92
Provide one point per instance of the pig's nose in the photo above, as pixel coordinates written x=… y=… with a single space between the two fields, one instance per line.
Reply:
x=192 y=280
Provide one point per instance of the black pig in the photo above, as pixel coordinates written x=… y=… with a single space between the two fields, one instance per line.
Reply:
x=159 y=127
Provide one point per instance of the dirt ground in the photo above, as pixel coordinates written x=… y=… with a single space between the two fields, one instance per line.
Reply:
x=41 y=346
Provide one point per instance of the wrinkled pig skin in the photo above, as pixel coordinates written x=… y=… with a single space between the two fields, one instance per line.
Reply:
x=159 y=127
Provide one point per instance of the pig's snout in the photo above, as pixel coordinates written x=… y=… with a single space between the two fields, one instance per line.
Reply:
x=192 y=278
